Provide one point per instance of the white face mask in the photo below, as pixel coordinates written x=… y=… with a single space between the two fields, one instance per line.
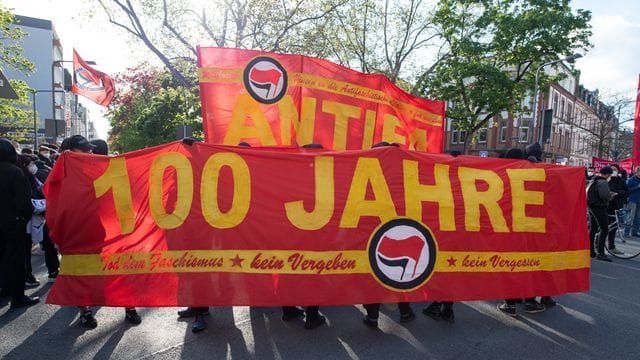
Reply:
x=615 y=173
x=46 y=154
x=33 y=169
x=590 y=173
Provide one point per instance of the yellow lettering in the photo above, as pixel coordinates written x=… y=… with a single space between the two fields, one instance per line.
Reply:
x=368 y=172
x=303 y=125
x=343 y=113
x=391 y=123
x=116 y=179
x=244 y=109
x=474 y=199
x=324 y=199
x=418 y=140
x=440 y=192
x=184 y=187
x=369 y=129
x=520 y=198
x=241 y=190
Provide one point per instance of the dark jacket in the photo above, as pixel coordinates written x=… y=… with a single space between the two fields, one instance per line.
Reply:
x=598 y=192
x=619 y=186
x=633 y=183
x=46 y=161
x=15 y=195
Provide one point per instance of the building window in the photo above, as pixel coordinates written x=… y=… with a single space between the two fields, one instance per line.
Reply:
x=503 y=131
x=455 y=135
x=523 y=132
x=482 y=135
x=561 y=113
x=555 y=102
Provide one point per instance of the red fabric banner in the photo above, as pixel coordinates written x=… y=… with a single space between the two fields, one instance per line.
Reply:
x=220 y=225
x=269 y=99
x=635 y=156
x=599 y=163
x=91 y=83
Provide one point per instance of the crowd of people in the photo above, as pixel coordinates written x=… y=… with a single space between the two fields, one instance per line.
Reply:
x=22 y=224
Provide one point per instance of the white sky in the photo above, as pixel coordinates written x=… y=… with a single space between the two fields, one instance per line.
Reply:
x=612 y=65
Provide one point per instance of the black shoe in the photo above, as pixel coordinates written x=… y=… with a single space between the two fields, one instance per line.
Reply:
x=87 y=320
x=52 y=276
x=198 y=324
x=292 y=314
x=132 y=317
x=191 y=312
x=370 y=322
x=314 y=322
x=25 y=301
x=547 y=301
x=432 y=311
x=593 y=254
x=447 y=315
x=408 y=317
x=31 y=281
x=533 y=307
x=603 y=257
x=507 y=309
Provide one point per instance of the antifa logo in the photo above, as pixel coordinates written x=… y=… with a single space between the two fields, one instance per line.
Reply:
x=265 y=80
x=402 y=254
x=85 y=80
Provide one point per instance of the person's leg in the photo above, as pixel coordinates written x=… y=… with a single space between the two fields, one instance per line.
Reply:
x=447 y=312
x=30 y=280
x=132 y=316
x=313 y=319
x=603 y=224
x=508 y=307
x=611 y=235
x=50 y=254
x=373 y=312
x=635 y=218
x=406 y=313
x=593 y=229
x=631 y=209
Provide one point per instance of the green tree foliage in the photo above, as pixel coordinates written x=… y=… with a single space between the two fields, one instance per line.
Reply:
x=148 y=107
x=14 y=114
x=493 y=50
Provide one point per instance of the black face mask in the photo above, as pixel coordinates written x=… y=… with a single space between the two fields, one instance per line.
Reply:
x=7 y=151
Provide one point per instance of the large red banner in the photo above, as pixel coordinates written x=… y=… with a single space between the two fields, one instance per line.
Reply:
x=599 y=163
x=220 y=225
x=272 y=99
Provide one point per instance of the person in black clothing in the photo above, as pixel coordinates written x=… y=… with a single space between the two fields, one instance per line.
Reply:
x=15 y=198
x=598 y=197
x=44 y=155
x=618 y=185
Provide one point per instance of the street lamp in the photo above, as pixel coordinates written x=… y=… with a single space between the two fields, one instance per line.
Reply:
x=53 y=90
x=35 y=121
x=570 y=59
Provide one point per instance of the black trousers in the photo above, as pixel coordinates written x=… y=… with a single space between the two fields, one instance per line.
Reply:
x=373 y=310
x=50 y=252
x=598 y=219
x=309 y=311
x=611 y=237
x=12 y=259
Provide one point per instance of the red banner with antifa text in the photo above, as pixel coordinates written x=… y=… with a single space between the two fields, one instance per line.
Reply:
x=269 y=99
x=208 y=225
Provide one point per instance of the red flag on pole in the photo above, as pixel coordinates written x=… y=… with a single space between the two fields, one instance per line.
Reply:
x=635 y=158
x=91 y=83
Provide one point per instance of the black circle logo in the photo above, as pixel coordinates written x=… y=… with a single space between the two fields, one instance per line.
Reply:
x=265 y=80
x=402 y=254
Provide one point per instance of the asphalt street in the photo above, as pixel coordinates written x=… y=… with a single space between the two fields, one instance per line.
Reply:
x=603 y=323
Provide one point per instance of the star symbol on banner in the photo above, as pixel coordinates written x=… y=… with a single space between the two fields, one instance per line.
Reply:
x=452 y=261
x=236 y=261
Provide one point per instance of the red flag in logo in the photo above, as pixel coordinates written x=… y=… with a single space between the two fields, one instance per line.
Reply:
x=91 y=83
x=635 y=157
x=410 y=247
